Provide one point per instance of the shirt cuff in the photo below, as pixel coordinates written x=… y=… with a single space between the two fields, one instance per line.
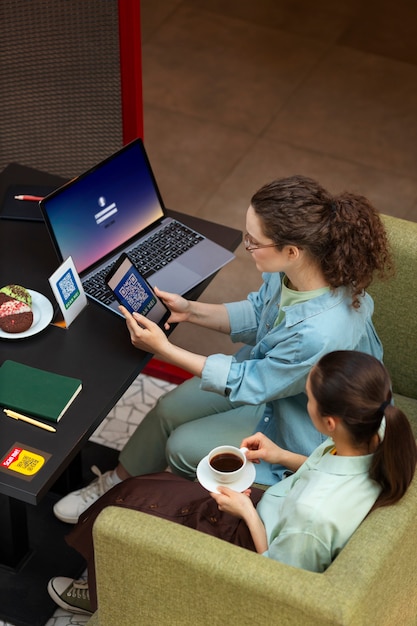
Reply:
x=242 y=319
x=216 y=372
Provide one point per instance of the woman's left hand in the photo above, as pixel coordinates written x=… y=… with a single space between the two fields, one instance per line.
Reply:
x=233 y=502
x=240 y=505
x=144 y=334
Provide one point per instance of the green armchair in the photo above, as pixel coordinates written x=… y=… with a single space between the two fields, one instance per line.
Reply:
x=395 y=315
x=154 y=572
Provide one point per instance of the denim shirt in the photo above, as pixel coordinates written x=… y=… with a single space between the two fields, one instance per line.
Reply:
x=273 y=366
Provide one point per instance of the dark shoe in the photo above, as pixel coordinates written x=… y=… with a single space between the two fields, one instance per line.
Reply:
x=71 y=595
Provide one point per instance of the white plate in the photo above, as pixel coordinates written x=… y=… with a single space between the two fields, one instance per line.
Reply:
x=42 y=314
x=207 y=479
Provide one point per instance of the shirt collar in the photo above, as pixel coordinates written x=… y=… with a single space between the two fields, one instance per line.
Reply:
x=335 y=464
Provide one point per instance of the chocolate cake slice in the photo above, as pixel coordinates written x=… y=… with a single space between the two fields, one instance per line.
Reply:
x=15 y=316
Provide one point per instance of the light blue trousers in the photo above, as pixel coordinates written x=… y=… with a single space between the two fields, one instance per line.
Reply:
x=185 y=424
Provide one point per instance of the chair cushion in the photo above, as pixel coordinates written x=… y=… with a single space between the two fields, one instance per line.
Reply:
x=409 y=406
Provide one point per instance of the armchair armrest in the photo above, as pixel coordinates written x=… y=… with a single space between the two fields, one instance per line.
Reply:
x=152 y=571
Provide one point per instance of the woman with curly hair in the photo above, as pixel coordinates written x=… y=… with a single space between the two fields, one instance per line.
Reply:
x=317 y=253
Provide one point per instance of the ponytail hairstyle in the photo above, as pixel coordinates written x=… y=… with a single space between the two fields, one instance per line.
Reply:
x=343 y=234
x=356 y=388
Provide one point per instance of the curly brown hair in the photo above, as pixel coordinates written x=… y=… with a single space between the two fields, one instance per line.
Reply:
x=344 y=234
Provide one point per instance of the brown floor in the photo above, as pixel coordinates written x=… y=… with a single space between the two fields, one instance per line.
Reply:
x=236 y=93
x=239 y=92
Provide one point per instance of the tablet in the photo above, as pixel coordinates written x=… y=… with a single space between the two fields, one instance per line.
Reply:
x=134 y=292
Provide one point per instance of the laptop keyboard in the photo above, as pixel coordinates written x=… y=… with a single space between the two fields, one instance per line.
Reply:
x=149 y=256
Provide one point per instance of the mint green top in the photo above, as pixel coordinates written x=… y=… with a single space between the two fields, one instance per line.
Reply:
x=310 y=516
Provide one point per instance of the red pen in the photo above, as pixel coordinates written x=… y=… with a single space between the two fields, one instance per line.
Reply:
x=30 y=198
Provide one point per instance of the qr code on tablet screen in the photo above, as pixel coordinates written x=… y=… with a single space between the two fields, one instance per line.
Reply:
x=133 y=292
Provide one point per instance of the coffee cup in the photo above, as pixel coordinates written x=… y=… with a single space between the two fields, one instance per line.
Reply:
x=227 y=463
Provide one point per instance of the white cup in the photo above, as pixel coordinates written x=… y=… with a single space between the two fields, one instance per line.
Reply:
x=227 y=463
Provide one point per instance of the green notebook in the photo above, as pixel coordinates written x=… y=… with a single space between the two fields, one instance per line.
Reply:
x=35 y=392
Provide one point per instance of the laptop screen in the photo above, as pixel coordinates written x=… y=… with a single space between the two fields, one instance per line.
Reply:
x=102 y=209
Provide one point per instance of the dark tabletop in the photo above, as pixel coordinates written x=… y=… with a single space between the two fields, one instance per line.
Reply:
x=95 y=348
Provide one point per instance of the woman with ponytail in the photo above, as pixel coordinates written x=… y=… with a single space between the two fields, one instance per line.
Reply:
x=353 y=390
x=367 y=460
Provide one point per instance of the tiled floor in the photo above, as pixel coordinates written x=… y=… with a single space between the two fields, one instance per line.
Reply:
x=240 y=92
x=237 y=93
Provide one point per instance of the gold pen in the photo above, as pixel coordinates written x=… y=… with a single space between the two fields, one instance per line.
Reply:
x=29 y=420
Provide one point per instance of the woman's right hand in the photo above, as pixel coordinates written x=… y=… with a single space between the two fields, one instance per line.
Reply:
x=262 y=448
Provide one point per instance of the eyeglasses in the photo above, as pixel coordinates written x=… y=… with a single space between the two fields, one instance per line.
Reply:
x=251 y=245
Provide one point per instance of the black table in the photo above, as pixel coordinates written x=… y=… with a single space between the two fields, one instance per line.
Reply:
x=96 y=349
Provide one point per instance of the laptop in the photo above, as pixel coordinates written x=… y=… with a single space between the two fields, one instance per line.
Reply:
x=116 y=207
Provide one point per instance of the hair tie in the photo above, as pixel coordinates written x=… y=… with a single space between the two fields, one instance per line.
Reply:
x=383 y=406
x=382 y=428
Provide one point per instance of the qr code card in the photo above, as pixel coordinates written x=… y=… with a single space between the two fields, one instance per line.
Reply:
x=23 y=461
x=68 y=291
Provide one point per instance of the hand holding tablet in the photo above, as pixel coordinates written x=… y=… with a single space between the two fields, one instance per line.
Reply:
x=134 y=292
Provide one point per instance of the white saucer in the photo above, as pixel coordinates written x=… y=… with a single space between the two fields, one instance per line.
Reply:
x=207 y=479
x=42 y=314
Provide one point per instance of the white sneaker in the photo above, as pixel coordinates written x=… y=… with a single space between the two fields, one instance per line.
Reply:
x=69 y=508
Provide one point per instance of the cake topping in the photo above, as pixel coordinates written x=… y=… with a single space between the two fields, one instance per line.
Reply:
x=18 y=293
x=11 y=307
x=16 y=315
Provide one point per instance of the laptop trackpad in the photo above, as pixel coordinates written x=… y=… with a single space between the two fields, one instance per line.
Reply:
x=175 y=278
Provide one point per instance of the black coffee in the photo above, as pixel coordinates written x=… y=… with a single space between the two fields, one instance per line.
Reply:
x=226 y=462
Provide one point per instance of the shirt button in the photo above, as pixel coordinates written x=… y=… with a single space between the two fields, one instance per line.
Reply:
x=153 y=506
x=266 y=420
x=185 y=510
